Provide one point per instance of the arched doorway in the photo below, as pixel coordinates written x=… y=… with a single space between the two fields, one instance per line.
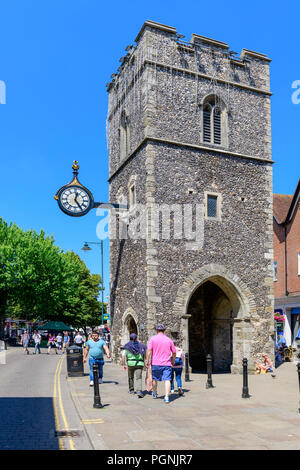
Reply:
x=211 y=327
x=225 y=297
x=129 y=325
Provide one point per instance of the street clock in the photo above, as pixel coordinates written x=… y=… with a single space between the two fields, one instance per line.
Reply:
x=73 y=198
x=76 y=200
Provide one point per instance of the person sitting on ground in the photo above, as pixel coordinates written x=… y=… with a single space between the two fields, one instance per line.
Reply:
x=266 y=366
x=133 y=355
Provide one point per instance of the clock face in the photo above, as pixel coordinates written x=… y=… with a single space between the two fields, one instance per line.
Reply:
x=75 y=200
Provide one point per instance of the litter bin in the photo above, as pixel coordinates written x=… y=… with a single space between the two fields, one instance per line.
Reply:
x=74 y=361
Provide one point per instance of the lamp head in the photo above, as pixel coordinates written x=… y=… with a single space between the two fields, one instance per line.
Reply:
x=86 y=247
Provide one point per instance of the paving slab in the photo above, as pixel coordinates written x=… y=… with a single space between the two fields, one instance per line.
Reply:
x=212 y=419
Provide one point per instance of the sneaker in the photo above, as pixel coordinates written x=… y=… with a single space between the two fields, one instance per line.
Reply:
x=140 y=394
x=172 y=391
x=100 y=381
x=131 y=392
x=166 y=400
x=154 y=395
x=91 y=383
x=180 y=392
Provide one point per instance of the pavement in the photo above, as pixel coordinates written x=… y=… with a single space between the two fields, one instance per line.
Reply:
x=203 y=419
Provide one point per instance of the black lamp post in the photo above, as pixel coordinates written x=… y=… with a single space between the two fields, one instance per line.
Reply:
x=86 y=247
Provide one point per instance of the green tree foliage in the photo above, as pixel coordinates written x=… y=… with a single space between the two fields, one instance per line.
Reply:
x=86 y=310
x=37 y=279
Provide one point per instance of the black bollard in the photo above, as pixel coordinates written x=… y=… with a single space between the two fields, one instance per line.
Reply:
x=298 y=369
x=97 y=399
x=245 y=393
x=187 y=373
x=209 y=383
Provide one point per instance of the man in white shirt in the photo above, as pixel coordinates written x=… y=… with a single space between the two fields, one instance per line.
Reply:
x=59 y=340
x=78 y=340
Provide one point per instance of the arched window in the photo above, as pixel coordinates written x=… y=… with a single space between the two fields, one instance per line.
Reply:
x=214 y=121
x=124 y=135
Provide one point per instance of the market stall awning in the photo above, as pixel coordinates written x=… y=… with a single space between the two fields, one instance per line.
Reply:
x=55 y=326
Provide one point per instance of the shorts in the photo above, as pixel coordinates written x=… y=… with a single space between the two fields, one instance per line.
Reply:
x=161 y=373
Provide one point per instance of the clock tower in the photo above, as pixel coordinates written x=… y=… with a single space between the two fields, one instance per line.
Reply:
x=189 y=134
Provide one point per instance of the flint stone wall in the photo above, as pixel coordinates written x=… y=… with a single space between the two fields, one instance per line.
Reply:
x=161 y=89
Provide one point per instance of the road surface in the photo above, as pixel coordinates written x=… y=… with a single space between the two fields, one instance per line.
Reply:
x=36 y=409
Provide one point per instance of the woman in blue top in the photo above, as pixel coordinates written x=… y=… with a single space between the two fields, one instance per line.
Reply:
x=95 y=348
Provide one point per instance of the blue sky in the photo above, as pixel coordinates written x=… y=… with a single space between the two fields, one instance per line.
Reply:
x=56 y=58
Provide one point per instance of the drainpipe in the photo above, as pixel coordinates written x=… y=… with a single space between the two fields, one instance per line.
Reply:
x=285 y=254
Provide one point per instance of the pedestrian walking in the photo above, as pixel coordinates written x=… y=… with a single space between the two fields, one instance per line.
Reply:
x=106 y=333
x=161 y=355
x=37 y=341
x=177 y=370
x=95 y=348
x=133 y=359
x=78 y=340
x=66 y=341
x=59 y=339
x=51 y=343
x=25 y=341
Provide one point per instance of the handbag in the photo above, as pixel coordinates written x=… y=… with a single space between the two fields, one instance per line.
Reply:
x=148 y=379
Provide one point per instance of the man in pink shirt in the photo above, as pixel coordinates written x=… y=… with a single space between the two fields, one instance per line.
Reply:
x=163 y=353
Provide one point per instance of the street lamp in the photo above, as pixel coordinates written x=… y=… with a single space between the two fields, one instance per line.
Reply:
x=86 y=247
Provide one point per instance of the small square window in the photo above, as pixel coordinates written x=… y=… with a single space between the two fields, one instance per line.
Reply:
x=212 y=205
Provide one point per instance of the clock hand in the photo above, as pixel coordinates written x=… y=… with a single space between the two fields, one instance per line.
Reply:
x=75 y=199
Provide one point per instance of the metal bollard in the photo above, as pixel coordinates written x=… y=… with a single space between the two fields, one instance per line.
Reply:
x=209 y=383
x=245 y=393
x=97 y=399
x=298 y=370
x=187 y=372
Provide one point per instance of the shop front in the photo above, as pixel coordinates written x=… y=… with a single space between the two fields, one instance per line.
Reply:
x=279 y=323
x=14 y=328
x=295 y=324
x=287 y=319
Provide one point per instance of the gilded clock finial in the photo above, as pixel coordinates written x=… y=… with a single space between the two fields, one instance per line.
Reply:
x=75 y=165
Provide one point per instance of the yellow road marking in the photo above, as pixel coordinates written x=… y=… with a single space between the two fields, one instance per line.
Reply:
x=62 y=411
x=92 y=421
x=57 y=396
x=57 y=426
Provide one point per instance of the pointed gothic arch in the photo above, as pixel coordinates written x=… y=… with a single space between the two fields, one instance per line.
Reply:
x=214 y=121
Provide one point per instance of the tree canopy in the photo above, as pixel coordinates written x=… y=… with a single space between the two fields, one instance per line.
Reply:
x=39 y=280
